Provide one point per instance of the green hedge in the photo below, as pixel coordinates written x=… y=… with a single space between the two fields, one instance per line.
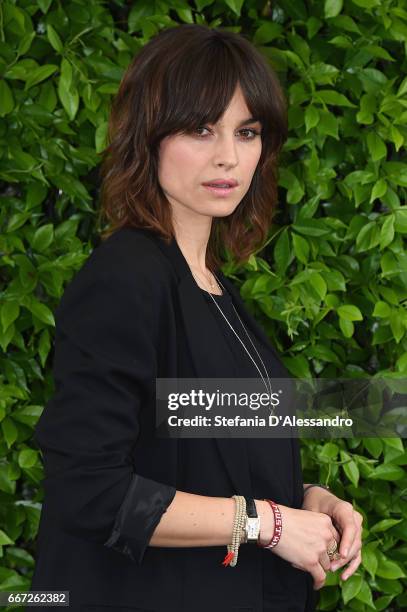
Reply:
x=329 y=286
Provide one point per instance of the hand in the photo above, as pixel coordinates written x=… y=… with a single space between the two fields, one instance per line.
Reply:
x=348 y=522
x=304 y=539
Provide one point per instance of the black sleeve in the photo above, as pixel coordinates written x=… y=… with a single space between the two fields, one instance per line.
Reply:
x=104 y=364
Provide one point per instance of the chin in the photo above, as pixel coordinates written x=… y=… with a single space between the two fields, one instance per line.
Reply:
x=221 y=209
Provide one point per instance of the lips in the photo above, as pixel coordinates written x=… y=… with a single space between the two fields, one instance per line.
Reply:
x=221 y=183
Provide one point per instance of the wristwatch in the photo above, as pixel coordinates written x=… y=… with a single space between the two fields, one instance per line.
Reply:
x=252 y=526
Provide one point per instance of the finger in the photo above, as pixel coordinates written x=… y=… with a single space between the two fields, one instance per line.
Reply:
x=354 y=550
x=318 y=575
x=325 y=562
x=357 y=537
x=352 y=567
x=335 y=534
x=348 y=536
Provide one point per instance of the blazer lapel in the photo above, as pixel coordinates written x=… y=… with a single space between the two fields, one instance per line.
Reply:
x=210 y=355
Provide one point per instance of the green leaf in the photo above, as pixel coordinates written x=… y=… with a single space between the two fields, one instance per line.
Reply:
x=387 y=232
x=328 y=451
x=317 y=282
x=9 y=430
x=6 y=484
x=381 y=309
x=298 y=366
x=40 y=74
x=352 y=472
x=69 y=99
x=4 y=539
x=296 y=9
x=374 y=446
x=349 y=312
x=384 y=525
x=382 y=603
x=334 y=279
x=6 y=99
x=25 y=43
x=54 y=38
x=400 y=224
x=365 y=595
x=387 y=471
x=41 y=311
x=351 y=587
x=347 y=327
x=402 y=90
x=9 y=313
x=397 y=325
x=66 y=74
x=395 y=443
x=389 y=264
x=396 y=172
x=332 y=8
x=368 y=237
x=301 y=248
x=323 y=353
x=379 y=189
x=396 y=137
x=376 y=146
x=328 y=124
x=27 y=458
x=235 y=5
x=43 y=237
x=367 y=4
x=101 y=136
x=333 y=97
x=369 y=558
x=311 y=227
x=267 y=32
x=282 y=254
x=311 y=118
x=388 y=569
x=28 y=415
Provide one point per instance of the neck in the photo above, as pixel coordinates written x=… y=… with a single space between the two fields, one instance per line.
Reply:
x=192 y=240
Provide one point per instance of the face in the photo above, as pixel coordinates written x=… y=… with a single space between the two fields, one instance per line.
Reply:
x=226 y=151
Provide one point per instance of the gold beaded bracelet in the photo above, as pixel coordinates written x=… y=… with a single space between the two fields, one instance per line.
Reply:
x=238 y=531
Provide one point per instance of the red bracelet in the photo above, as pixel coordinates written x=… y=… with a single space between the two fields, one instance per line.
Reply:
x=278 y=526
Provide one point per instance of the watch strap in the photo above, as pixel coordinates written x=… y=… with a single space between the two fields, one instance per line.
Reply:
x=251 y=509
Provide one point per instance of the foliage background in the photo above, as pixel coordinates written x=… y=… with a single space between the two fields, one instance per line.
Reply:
x=329 y=286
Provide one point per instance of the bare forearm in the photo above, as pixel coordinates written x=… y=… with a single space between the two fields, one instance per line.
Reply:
x=199 y=520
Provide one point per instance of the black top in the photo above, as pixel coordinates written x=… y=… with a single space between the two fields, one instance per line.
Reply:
x=274 y=462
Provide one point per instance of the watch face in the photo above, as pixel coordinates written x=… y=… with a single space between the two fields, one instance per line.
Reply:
x=253 y=528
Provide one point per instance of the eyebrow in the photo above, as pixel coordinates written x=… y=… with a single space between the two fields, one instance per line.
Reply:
x=248 y=120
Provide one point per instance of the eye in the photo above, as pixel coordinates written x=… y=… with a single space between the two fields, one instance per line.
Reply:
x=253 y=132
x=201 y=127
x=248 y=133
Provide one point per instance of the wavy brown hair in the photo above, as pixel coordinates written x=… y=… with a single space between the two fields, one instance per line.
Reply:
x=183 y=78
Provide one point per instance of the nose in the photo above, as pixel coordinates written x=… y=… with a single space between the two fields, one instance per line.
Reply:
x=225 y=153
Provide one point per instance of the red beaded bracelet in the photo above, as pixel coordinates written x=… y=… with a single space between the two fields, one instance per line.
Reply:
x=278 y=526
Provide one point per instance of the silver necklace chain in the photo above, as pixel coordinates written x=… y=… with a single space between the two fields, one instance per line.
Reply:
x=268 y=387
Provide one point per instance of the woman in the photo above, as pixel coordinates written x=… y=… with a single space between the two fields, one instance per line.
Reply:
x=131 y=521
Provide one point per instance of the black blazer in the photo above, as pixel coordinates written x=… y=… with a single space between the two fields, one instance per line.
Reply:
x=107 y=478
